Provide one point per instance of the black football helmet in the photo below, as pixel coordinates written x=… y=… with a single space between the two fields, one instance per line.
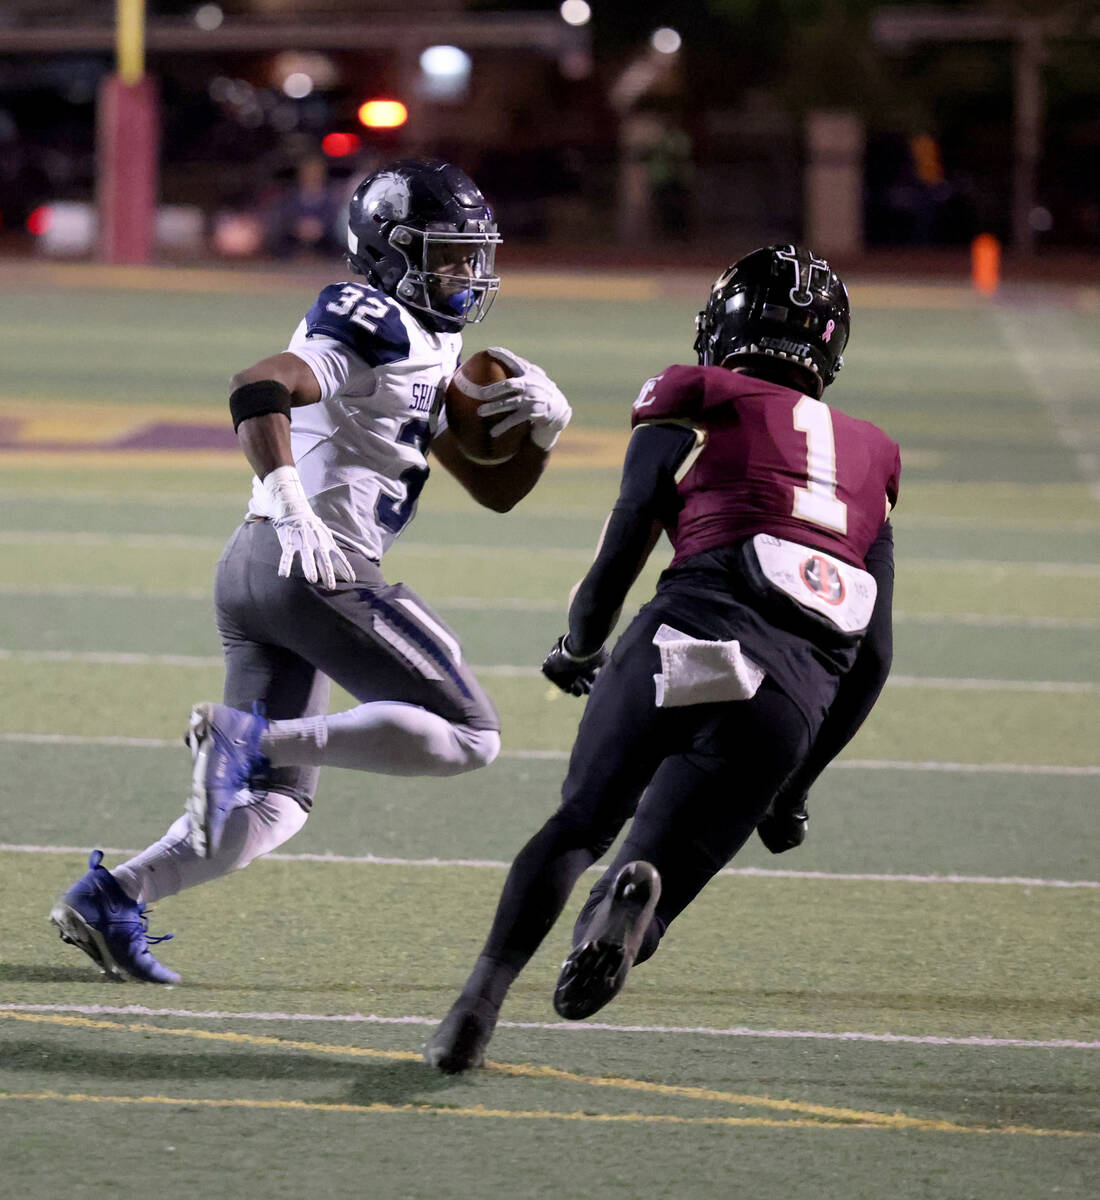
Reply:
x=778 y=302
x=422 y=232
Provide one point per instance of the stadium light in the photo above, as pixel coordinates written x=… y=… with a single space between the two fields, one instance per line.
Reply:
x=575 y=12
x=297 y=85
x=383 y=114
x=445 y=73
x=209 y=17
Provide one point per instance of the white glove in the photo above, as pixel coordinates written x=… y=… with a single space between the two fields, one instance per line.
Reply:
x=541 y=402
x=302 y=532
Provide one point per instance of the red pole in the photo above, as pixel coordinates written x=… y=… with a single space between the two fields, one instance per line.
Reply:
x=127 y=148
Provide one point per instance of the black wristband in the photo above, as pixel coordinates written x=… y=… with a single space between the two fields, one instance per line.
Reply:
x=257 y=399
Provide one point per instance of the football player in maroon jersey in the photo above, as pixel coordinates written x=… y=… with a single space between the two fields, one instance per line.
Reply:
x=766 y=644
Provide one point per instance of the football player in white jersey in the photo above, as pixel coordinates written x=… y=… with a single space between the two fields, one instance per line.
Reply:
x=337 y=429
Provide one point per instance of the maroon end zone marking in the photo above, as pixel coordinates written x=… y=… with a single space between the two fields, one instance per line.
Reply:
x=168 y=435
x=156 y=435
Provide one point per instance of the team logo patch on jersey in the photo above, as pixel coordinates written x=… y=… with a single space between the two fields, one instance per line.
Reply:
x=823 y=579
x=841 y=593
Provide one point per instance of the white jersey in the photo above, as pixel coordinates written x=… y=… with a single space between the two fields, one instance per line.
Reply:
x=361 y=451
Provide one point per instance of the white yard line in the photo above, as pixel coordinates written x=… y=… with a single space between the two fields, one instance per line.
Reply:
x=908 y=520
x=118 y=658
x=183 y=541
x=492 y=864
x=155 y=541
x=1061 y=370
x=567 y=1027
x=964 y=684
x=988 y=566
x=994 y=621
x=234 y=508
x=134 y=541
x=111 y=658
x=520 y=604
x=962 y=768
x=106 y=591
x=851 y=764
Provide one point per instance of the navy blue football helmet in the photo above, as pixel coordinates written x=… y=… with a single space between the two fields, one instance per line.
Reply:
x=777 y=302
x=423 y=233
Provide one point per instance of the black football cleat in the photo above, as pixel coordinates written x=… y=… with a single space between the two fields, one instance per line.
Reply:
x=597 y=969
x=459 y=1042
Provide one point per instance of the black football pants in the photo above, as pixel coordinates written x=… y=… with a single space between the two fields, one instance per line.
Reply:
x=696 y=780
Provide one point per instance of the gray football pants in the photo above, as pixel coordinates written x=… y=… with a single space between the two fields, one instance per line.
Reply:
x=285 y=639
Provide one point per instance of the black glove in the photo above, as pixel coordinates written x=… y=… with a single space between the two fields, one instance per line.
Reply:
x=783 y=826
x=572 y=674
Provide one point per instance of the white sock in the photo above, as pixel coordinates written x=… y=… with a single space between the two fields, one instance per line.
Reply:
x=256 y=826
x=383 y=736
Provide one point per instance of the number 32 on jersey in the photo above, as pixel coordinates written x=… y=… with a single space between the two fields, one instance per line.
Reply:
x=368 y=310
x=817 y=501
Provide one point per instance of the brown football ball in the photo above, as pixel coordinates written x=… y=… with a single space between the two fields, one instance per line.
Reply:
x=471 y=431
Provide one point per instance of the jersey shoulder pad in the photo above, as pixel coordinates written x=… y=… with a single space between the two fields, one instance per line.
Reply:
x=873 y=443
x=676 y=392
x=362 y=318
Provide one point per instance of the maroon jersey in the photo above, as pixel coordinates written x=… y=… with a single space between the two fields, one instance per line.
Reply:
x=773 y=461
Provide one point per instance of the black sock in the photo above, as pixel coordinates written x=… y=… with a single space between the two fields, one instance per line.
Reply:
x=489 y=983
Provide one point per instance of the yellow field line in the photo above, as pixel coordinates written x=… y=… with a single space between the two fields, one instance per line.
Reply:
x=507 y=1114
x=833 y=1116
x=475 y=1110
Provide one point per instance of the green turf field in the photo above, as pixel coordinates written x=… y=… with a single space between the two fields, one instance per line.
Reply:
x=906 y=1006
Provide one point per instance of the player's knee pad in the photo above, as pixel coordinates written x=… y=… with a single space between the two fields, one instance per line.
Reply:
x=259 y=826
x=481 y=746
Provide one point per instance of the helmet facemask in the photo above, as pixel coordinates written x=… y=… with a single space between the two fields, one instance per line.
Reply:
x=449 y=274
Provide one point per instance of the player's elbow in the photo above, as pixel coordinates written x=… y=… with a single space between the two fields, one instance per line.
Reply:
x=499 y=493
x=875 y=661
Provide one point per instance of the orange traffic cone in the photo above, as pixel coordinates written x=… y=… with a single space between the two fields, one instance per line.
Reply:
x=985 y=263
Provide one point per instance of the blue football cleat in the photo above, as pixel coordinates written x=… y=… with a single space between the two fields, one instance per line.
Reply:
x=97 y=916
x=225 y=747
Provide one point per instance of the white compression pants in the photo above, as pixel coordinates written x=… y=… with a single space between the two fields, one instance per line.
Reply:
x=384 y=736
x=258 y=825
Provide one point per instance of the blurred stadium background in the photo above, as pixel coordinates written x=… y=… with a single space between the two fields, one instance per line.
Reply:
x=604 y=129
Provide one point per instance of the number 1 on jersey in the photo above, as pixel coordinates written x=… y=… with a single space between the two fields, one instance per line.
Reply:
x=817 y=502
